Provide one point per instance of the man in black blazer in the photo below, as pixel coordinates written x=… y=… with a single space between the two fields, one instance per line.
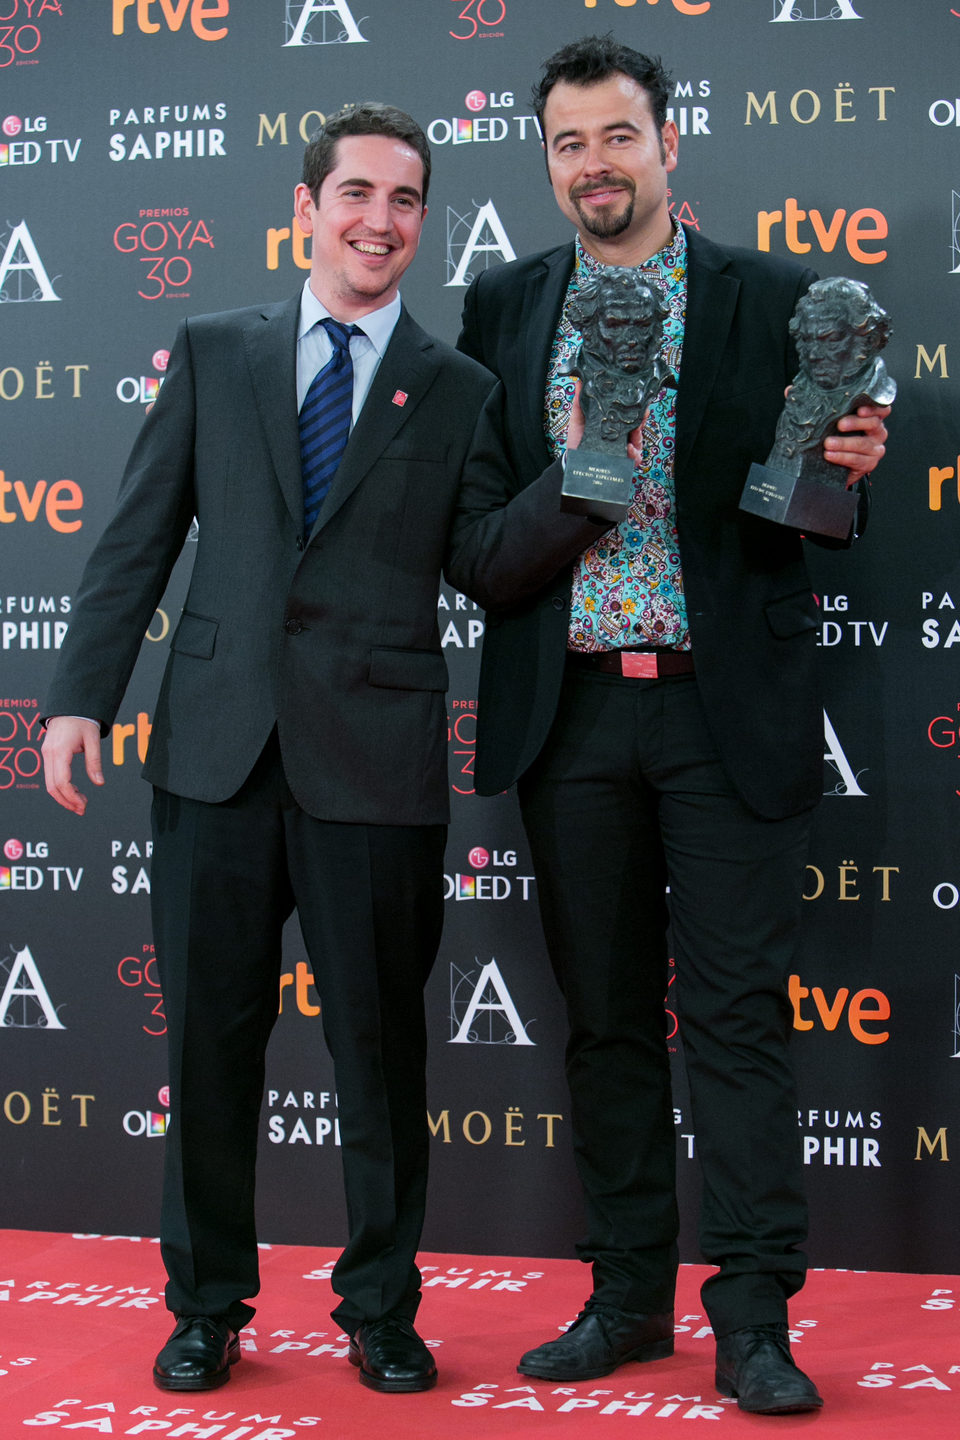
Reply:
x=658 y=704
x=298 y=749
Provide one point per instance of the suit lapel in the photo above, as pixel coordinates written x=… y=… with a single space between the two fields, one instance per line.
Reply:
x=270 y=340
x=404 y=376
x=711 y=302
x=538 y=317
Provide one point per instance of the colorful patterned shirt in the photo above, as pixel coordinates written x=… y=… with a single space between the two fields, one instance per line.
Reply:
x=628 y=588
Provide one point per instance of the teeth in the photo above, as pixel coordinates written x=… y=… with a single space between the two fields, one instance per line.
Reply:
x=368 y=249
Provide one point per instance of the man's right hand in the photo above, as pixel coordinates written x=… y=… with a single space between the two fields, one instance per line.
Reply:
x=68 y=735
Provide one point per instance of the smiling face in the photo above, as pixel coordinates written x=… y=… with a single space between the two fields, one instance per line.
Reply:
x=366 y=224
x=608 y=167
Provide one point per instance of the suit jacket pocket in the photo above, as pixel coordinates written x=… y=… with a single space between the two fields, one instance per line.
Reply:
x=792 y=614
x=394 y=669
x=195 y=635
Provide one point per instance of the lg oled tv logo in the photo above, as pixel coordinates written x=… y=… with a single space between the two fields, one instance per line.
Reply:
x=18 y=147
x=144 y=389
x=468 y=885
x=481 y=129
x=149 y=1124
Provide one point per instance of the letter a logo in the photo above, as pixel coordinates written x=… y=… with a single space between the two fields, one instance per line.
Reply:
x=822 y=10
x=487 y=236
x=833 y=754
x=342 y=29
x=21 y=257
x=32 y=996
x=489 y=997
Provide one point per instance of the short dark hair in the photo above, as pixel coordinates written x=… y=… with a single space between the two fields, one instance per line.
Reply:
x=597 y=57
x=370 y=117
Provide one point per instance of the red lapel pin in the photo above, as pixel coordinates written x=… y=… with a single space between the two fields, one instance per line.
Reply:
x=400 y=397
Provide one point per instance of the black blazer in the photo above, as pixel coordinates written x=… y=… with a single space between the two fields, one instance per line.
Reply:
x=331 y=637
x=751 y=611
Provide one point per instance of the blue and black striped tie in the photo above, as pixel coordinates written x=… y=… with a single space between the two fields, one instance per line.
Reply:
x=325 y=420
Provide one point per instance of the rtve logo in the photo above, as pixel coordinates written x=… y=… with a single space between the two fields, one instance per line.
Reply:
x=148 y=14
x=858 y=230
x=682 y=7
x=56 y=501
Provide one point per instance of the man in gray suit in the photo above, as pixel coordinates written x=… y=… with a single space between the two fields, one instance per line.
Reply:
x=308 y=648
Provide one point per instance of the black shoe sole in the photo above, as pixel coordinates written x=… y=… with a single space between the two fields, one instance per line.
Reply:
x=202 y=1382
x=396 y=1387
x=785 y=1407
x=655 y=1350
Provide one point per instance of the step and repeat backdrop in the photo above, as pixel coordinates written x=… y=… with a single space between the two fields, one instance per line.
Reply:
x=148 y=154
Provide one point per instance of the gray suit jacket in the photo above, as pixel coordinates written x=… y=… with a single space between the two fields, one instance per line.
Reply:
x=331 y=637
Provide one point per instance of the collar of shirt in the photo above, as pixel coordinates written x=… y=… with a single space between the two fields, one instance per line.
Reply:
x=662 y=266
x=314 y=346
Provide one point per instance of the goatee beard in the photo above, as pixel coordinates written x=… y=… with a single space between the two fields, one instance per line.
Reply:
x=606 y=225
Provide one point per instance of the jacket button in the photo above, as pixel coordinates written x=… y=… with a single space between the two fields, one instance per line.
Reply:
x=299 y=542
x=292 y=627
x=558 y=602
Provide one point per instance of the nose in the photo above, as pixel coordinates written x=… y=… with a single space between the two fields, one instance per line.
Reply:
x=595 y=161
x=377 y=215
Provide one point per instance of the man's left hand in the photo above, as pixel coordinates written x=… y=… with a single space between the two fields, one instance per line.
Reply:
x=861 y=443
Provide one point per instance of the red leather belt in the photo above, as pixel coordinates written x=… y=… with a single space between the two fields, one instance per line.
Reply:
x=637 y=664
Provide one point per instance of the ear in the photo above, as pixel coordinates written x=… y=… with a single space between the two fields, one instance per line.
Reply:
x=303 y=208
x=671 y=141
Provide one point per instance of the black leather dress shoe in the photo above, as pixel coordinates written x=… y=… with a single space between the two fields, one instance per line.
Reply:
x=391 y=1356
x=755 y=1368
x=600 y=1339
x=198 y=1354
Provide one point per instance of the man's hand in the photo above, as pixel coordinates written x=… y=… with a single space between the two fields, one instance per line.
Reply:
x=861 y=444
x=575 y=425
x=575 y=429
x=68 y=735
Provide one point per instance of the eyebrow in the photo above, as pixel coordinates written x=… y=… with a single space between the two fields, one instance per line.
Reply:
x=615 y=125
x=358 y=180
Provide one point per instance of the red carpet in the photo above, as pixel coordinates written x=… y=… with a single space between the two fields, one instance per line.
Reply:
x=81 y=1319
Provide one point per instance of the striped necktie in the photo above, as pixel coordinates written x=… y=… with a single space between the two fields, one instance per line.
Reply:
x=325 y=420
